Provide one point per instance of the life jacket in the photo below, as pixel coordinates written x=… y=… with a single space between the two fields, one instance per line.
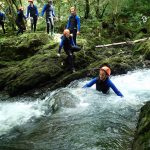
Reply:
x=102 y=86
x=32 y=11
x=73 y=22
x=67 y=43
x=49 y=10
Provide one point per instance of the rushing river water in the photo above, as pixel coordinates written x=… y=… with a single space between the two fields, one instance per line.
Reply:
x=74 y=118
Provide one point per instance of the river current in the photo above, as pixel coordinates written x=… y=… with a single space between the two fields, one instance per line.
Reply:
x=73 y=118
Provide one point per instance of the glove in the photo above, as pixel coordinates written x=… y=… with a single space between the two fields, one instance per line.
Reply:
x=58 y=55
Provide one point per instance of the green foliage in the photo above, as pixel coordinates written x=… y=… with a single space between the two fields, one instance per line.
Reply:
x=127 y=12
x=10 y=8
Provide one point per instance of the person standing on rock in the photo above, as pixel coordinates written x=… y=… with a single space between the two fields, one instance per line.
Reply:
x=69 y=47
x=20 y=20
x=50 y=15
x=73 y=23
x=103 y=82
x=2 y=19
x=33 y=11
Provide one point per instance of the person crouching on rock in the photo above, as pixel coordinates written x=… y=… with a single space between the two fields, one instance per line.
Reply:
x=103 y=82
x=69 y=47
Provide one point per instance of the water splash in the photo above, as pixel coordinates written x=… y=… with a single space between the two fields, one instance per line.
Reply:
x=18 y=113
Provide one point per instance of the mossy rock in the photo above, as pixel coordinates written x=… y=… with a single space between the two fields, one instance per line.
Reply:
x=18 y=77
x=33 y=71
x=21 y=47
x=142 y=137
x=7 y=74
x=143 y=49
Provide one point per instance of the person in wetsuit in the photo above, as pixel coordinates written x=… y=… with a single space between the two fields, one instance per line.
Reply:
x=20 y=20
x=33 y=11
x=103 y=82
x=50 y=15
x=69 y=47
x=73 y=24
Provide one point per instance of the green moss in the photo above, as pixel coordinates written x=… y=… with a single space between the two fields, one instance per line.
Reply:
x=142 y=136
x=143 y=49
x=21 y=47
x=30 y=60
x=33 y=71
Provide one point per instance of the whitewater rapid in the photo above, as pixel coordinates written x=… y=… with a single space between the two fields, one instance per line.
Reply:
x=86 y=113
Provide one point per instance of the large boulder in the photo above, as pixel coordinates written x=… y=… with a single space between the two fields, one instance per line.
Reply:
x=18 y=48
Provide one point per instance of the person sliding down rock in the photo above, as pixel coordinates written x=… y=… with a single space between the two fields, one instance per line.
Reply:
x=69 y=47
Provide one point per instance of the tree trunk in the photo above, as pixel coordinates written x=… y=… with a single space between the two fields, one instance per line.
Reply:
x=11 y=11
x=123 y=43
x=87 y=9
x=97 y=9
x=59 y=12
x=103 y=11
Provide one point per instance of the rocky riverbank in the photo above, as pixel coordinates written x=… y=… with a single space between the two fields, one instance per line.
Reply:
x=30 y=61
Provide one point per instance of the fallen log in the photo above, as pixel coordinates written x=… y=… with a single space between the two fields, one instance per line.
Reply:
x=122 y=43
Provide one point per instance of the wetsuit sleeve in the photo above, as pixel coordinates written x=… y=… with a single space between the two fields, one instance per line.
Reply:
x=4 y=17
x=27 y=11
x=78 y=23
x=61 y=45
x=92 y=82
x=43 y=10
x=68 y=24
x=53 y=12
x=114 y=88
